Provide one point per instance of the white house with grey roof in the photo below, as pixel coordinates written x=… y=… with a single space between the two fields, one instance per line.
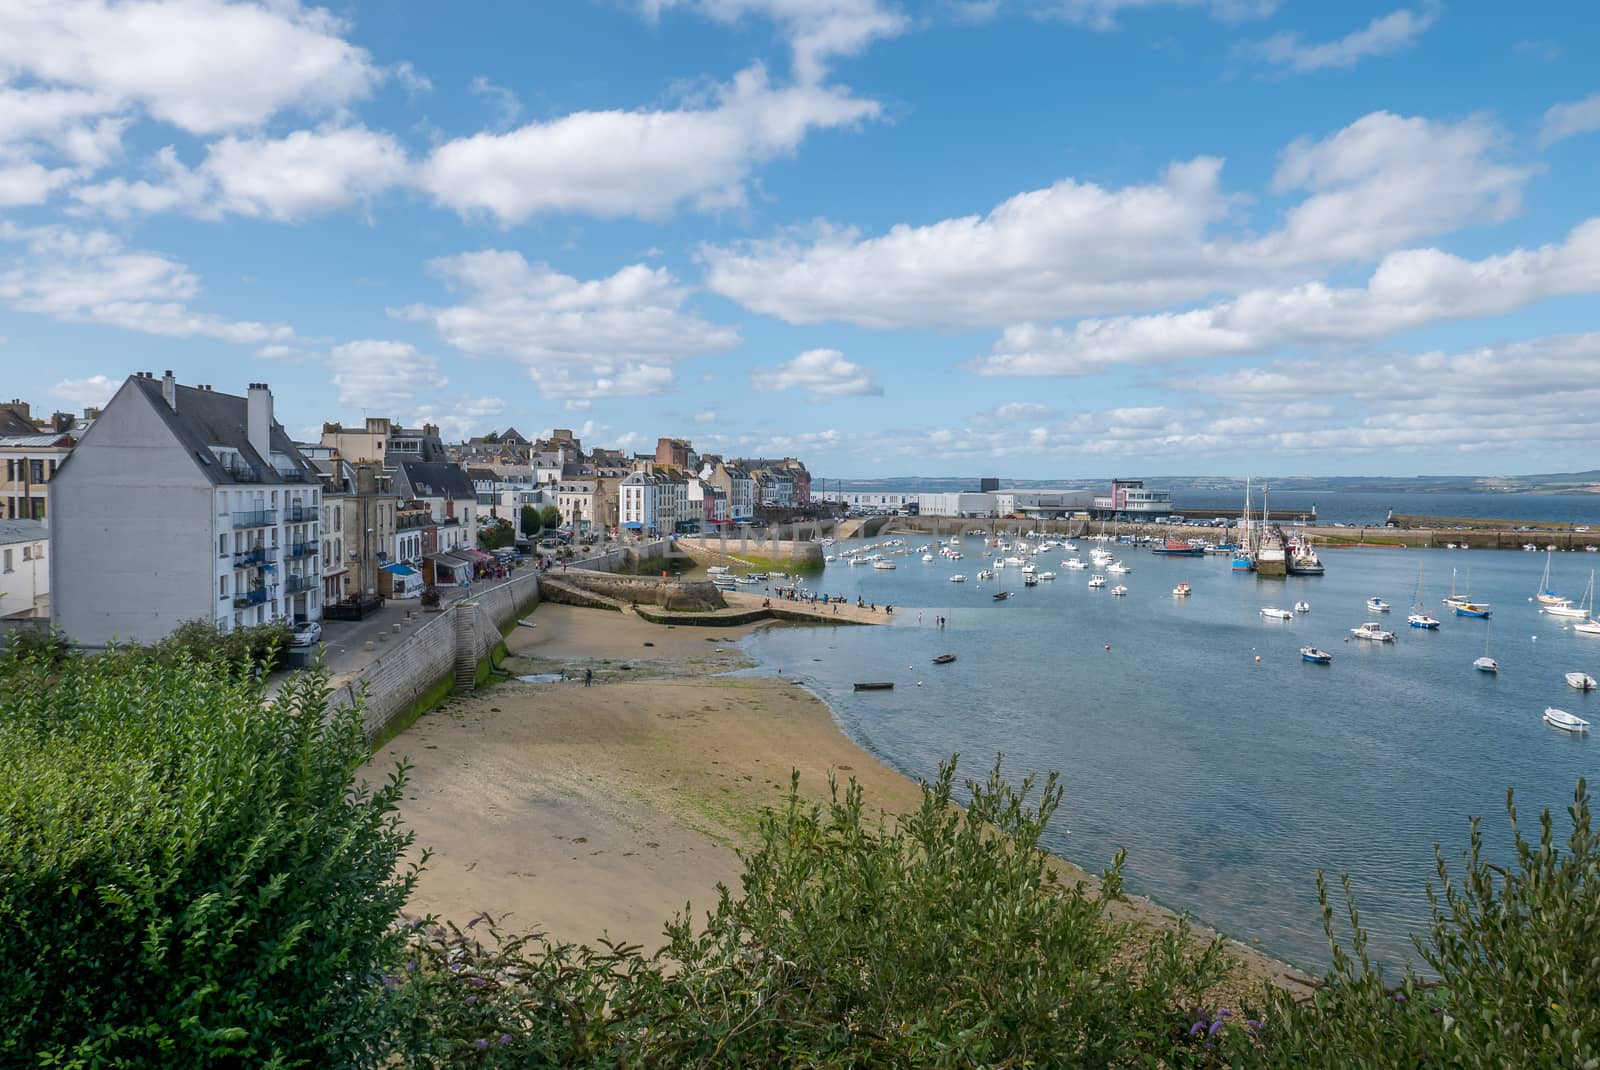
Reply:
x=182 y=503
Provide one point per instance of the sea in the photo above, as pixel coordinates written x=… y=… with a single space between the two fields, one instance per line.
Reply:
x=1369 y=508
x=1189 y=732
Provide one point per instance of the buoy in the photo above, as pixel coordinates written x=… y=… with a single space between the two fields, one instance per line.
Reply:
x=1108 y=646
x=1258 y=659
x=1535 y=638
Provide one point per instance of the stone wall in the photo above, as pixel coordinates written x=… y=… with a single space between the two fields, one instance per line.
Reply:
x=736 y=552
x=667 y=593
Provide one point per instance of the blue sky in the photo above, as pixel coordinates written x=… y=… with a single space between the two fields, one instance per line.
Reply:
x=1037 y=238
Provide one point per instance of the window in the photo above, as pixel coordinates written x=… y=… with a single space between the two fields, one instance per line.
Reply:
x=222 y=586
x=27 y=553
x=8 y=567
x=36 y=471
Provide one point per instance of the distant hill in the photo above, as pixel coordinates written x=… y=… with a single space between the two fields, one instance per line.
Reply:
x=1548 y=483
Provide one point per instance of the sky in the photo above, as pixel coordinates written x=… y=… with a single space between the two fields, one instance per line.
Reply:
x=1033 y=238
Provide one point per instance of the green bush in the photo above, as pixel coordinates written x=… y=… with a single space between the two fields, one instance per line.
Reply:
x=494 y=536
x=550 y=517
x=257 y=644
x=189 y=875
x=529 y=521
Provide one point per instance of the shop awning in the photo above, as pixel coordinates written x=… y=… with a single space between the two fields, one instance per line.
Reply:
x=398 y=570
x=449 y=560
x=634 y=524
x=475 y=555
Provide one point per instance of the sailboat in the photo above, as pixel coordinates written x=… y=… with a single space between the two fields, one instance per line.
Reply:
x=1452 y=599
x=1465 y=607
x=1545 y=596
x=1486 y=663
x=1244 y=561
x=1581 y=611
x=1419 y=619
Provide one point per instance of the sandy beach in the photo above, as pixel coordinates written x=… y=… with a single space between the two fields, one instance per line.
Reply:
x=600 y=811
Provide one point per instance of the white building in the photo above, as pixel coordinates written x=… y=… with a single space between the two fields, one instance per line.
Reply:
x=575 y=502
x=181 y=504
x=968 y=503
x=638 y=505
x=872 y=501
x=24 y=569
x=1130 y=498
x=444 y=486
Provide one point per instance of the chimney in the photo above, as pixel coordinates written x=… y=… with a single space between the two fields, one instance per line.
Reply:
x=366 y=478
x=258 y=416
x=169 y=390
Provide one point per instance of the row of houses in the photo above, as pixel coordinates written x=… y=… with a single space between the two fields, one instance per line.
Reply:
x=176 y=503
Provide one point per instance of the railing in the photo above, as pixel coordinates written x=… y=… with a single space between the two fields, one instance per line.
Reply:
x=301 y=514
x=417 y=520
x=254 y=598
x=261 y=555
x=255 y=518
x=297 y=584
x=303 y=549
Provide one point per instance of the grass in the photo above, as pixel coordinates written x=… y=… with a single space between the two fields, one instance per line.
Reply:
x=774 y=564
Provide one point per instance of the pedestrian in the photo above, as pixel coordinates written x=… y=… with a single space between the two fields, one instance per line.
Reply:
x=588 y=677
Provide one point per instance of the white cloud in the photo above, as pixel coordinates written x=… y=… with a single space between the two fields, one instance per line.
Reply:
x=25 y=182
x=90 y=277
x=822 y=372
x=706 y=416
x=303 y=174
x=1077 y=248
x=1014 y=412
x=286 y=354
x=637 y=163
x=817 y=30
x=505 y=103
x=1384 y=35
x=616 y=336
x=95 y=391
x=1409 y=289
x=458 y=417
x=1567 y=120
x=1102 y=14
x=383 y=375
x=202 y=65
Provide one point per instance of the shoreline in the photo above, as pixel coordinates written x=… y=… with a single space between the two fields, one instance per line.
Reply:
x=602 y=814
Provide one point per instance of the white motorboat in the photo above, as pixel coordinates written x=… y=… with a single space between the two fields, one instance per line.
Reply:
x=1119 y=568
x=958 y=578
x=1422 y=620
x=717 y=570
x=1073 y=563
x=927 y=557
x=1029 y=579
x=1047 y=575
x=1315 y=655
x=1097 y=581
x=1374 y=631
x=1581 y=680
x=1029 y=569
x=1377 y=605
x=1119 y=589
x=1181 y=591
x=1588 y=627
x=1302 y=606
x=986 y=574
x=1582 y=611
x=1486 y=664
x=1274 y=613
x=886 y=565
x=1565 y=721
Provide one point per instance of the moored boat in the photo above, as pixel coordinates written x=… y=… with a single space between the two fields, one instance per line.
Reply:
x=1274 y=613
x=1097 y=581
x=1001 y=596
x=958 y=578
x=875 y=685
x=1181 y=590
x=1422 y=620
x=1178 y=548
x=1567 y=722
x=1302 y=606
x=886 y=565
x=1315 y=655
x=1486 y=664
x=1119 y=589
x=1580 y=680
x=1374 y=631
x=1473 y=609
x=944 y=659
x=1377 y=605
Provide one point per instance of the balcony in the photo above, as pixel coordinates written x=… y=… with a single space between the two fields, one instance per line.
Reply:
x=261 y=555
x=252 y=598
x=302 y=549
x=298 y=584
x=301 y=514
x=255 y=518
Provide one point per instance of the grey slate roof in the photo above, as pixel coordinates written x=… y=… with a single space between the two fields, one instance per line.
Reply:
x=435 y=479
x=12 y=531
x=207 y=418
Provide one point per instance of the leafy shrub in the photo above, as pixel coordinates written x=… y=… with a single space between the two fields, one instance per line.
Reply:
x=530 y=521
x=494 y=536
x=188 y=874
x=260 y=645
x=942 y=939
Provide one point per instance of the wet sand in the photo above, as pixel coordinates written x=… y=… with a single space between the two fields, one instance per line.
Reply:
x=600 y=811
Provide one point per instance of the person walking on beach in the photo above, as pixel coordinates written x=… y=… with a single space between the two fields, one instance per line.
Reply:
x=588 y=677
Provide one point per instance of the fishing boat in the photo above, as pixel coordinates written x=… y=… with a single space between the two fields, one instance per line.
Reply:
x=1565 y=721
x=1181 y=590
x=875 y=685
x=958 y=578
x=1097 y=581
x=1580 y=680
x=1178 y=548
x=1315 y=655
x=1274 y=613
x=1419 y=619
x=1374 y=631
x=1303 y=560
x=1377 y=605
x=1073 y=563
x=1243 y=563
x=1473 y=609
x=1030 y=579
x=1119 y=589
x=1047 y=575
x=1119 y=568
x=1302 y=606
x=1545 y=596
x=944 y=659
x=1582 y=611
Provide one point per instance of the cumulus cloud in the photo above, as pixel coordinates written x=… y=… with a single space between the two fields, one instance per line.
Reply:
x=637 y=163
x=1409 y=289
x=1570 y=119
x=306 y=173
x=706 y=416
x=378 y=374
x=817 y=30
x=1384 y=35
x=90 y=277
x=1102 y=14
x=1078 y=248
x=822 y=372
x=615 y=336
x=93 y=390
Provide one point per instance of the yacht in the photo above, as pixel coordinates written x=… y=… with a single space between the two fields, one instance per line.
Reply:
x=986 y=574
x=1047 y=575
x=1073 y=563
x=1588 y=627
x=1119 y=568
x=1422 y=620
x=1374 y=631
x=1486 y=664
x=883 y=564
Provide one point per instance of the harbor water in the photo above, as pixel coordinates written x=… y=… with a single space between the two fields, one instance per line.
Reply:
x=1190 y=732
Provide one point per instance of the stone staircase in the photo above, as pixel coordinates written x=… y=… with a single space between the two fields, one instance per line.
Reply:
x=466 y=660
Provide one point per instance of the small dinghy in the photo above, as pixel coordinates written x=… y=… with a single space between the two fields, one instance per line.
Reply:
x=944 y=659
x=1181 y=591
x=1565 y=721
x=1001 y=596
x=1486 y=664
x=1580 y=680
x=1316 y=655
x=875 y=685
x=1274 y=613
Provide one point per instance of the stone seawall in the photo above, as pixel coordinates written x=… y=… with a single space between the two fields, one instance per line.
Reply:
x=666 y=593
x=742 y=553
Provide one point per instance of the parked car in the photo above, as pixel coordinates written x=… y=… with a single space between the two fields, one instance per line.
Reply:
x=306 y=633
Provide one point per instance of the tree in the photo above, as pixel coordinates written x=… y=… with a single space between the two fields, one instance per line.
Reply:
x=190 y=874
x=491 y=438
x=530 y=521
x=550 y=517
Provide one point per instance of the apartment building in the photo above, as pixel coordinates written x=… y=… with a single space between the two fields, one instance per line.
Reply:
x=24 y=570
x=182 y=503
